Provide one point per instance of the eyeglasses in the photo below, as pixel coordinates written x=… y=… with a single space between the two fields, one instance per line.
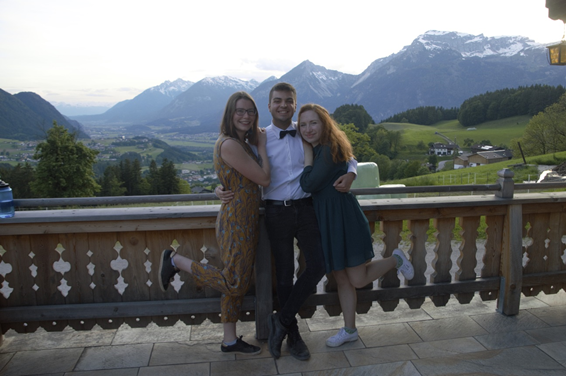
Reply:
x=242 y=111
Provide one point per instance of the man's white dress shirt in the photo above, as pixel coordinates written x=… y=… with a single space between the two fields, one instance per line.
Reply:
x=287 y=160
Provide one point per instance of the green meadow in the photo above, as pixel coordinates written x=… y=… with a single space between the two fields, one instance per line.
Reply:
x=487 y=174
x=498 y=132
x=10 y=145
x=196 y=144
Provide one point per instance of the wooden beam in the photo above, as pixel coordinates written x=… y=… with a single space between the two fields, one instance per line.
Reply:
x=115 y=310
x=410 y=292
x=547 y=278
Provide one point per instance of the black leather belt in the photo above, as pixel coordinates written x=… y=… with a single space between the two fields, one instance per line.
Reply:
x=302 y=201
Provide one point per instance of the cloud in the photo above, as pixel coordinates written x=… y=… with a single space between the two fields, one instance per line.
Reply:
x=275 y=65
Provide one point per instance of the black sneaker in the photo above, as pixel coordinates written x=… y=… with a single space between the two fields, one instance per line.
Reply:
x=277 y=333
x=241 y=347
x=297 y=347
x=166 y=269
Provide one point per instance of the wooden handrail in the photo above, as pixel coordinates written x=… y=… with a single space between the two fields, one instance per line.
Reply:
x=153 y=199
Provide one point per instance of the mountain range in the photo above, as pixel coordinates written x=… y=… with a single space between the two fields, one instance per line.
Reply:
x=438 y=68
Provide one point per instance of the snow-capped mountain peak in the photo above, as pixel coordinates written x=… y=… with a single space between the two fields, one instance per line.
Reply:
x=229 y=82
x=469 y=45
x=172 y=89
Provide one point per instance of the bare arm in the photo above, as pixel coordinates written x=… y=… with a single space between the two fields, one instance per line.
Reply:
x=309 y=158
x=235 y=156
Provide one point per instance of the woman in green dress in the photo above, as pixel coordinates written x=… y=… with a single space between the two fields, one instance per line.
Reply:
x=345 y=232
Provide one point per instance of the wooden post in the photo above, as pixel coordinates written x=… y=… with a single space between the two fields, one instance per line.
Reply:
x=512 y=250
x=511 y=262
x=506 y=182
x=263 y=284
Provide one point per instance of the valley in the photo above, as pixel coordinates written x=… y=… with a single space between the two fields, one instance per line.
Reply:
x=117 y=143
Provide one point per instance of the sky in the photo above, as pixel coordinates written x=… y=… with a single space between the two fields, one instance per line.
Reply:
x=85 y=52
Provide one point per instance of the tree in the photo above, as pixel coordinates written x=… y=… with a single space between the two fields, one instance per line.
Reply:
x=394 y=138
x=169 y=179
x=130 y=175
x=472 y=112
x=111 y=183
x=353 y=114
x=396 y=169
x=360 y=143
x=65 y=166
x=433 y=160
x=546 y=132
x=19 y=178
x=185 y=187
x=384 y=165
x=385 y=142
x=153 y=179
x=411 y=169
x=427 y=115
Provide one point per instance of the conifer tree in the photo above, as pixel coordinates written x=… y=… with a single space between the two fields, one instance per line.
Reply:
x=169 y=178
x=353 y=114
x=19 y=178
x=153 y=179
x=65 y=166
x=111 y=183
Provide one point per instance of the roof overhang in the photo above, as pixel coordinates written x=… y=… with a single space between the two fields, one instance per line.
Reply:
x=556 y=9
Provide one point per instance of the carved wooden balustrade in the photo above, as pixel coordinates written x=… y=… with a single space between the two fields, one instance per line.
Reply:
x=88 y=266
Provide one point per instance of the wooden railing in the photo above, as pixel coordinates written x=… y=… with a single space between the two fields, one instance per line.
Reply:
x=87 y=266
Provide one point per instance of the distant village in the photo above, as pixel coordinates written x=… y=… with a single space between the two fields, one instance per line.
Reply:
x=23 y=151
x=479 y=155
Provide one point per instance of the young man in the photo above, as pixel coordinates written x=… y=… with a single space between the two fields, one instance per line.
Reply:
x=289 y=215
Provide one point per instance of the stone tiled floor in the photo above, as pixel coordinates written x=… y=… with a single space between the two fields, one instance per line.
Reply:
x=457 y=339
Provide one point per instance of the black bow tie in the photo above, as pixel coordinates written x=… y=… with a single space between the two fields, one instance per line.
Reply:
x=291 y=132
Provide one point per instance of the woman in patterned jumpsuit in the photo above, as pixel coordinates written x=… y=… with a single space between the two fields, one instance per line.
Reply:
x=237 y=224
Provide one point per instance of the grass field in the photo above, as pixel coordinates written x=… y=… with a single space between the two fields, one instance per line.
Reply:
x=487 y=174
x=499 y=132
x=195 y=167
x=9 y=145
x=197 y=144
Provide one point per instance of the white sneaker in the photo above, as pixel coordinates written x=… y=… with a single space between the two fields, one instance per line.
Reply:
x=342 y=337
x=406 y=268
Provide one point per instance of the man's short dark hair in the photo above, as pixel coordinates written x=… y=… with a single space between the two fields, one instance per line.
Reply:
x=283 y=86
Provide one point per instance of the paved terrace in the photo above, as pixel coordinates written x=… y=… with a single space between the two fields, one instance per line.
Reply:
x=457 y=339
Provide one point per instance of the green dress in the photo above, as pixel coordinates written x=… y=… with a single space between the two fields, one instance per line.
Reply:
x=344 y=228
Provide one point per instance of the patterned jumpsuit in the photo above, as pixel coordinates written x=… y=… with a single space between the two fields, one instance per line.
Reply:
x=237 y=234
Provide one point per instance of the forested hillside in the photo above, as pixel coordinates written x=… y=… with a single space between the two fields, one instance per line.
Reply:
x=27 y=116
x=505 y=103
x=499 y=104
x=426 y=115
